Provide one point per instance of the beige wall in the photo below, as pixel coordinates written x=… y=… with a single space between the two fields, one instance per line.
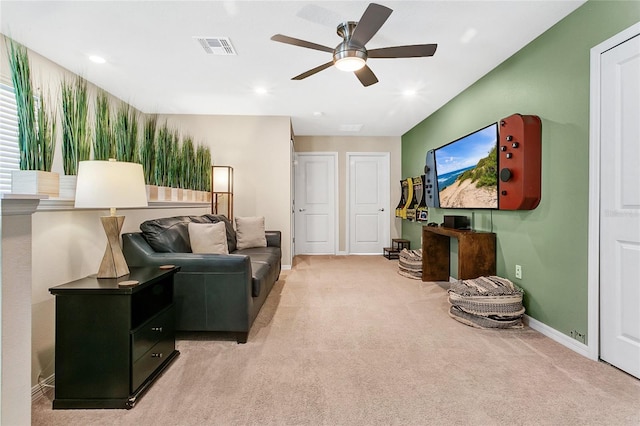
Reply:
x=68 y=244
x=47 y=78
x=258 y=149
x=344 y=144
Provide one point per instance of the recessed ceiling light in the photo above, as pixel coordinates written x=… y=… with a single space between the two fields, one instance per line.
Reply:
x=97 y=59
x=318 y=114
x=260 y=90
x=468 y=35
x=350 y=127
x=409 y=93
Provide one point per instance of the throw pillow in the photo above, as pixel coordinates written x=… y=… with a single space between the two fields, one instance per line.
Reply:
x=250 y=232
x=170 y=234
x=231 y=233
x=208 y=238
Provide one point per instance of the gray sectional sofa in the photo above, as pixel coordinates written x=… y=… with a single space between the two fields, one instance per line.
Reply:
x=212 y=292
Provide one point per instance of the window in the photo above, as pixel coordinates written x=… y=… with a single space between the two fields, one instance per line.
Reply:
x=9 y=151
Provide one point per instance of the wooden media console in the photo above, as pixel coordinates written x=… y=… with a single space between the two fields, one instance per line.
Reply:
x=476 y=253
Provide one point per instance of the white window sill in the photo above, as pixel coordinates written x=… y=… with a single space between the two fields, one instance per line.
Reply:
x=59 y=204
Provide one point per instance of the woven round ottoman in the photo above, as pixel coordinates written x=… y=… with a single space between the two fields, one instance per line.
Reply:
x=486 y=302
x=410 y=263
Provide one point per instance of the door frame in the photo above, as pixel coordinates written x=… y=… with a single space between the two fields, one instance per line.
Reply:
x=387 y=227
x=593 y=273
x=336 y=200
x=292 y=200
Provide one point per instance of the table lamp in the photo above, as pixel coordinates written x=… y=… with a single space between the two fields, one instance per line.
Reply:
x=111 y=184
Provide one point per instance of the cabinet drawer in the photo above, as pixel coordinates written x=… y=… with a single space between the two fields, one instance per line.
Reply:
x=152 y=359
x=149 y=333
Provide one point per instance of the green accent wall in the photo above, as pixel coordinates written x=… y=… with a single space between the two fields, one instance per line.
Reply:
x=549 y=78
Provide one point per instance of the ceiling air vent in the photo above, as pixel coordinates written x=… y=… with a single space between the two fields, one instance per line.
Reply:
x=216 y=45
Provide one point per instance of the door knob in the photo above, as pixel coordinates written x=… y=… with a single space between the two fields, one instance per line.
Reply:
x=302 y=210
x=381 y=210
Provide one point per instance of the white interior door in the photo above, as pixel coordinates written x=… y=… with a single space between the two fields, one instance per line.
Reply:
x=620 y=207
x=315 y=203
x=368 y=201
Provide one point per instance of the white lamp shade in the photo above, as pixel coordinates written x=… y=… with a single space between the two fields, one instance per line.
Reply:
x=110 y=184
x=221 y=176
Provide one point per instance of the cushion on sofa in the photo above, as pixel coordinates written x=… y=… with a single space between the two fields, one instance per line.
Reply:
x=231 y=234
x=250 y=232
x=208 y=238
x=270 y=255
x=264 y=260
x=260 y=275
x=170 y=234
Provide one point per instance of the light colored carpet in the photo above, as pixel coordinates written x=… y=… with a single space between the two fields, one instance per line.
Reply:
x=346 y=340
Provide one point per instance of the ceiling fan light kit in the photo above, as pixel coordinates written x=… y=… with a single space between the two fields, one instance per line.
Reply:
x=349 y=60
x=348 y=56
x=351 y=55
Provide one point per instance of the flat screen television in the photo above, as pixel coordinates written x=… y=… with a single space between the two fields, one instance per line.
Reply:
x=467 y=171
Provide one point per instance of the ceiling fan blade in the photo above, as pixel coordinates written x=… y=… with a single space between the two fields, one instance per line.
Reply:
x=413 y=51
x=372 y=19
x=313 y=71
x=301 y=43
x=366 y=76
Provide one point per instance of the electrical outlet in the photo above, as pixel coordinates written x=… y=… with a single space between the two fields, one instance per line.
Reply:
x=581 y=337
x=518 y=271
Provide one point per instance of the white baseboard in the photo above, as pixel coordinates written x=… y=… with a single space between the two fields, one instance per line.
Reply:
x=36 y=391
x=557 y=336
x=285 y=267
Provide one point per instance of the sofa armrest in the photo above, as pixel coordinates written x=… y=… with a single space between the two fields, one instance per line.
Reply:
x=274 y=238
x=138 y=252
x=211 y=291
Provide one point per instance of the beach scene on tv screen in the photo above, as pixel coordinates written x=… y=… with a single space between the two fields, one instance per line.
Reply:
x=467 y=171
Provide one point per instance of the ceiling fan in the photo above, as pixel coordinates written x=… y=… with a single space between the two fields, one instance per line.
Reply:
x=351 y=54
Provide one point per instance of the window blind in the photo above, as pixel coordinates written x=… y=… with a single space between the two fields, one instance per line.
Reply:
x=9 y=151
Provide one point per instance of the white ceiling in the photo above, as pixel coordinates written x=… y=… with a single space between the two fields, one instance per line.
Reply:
x=155 y=64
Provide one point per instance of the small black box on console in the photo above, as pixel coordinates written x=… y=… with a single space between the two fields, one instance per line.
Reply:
x=456 y=222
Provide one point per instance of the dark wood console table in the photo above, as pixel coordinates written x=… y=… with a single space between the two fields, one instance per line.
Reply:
x=113 y=342
x=476 y=253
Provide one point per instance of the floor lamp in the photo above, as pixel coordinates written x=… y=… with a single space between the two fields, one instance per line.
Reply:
x=111 y=184
x=222 y=189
